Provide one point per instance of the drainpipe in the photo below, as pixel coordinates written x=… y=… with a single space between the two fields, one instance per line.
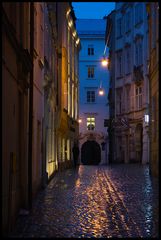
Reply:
x=30 y=108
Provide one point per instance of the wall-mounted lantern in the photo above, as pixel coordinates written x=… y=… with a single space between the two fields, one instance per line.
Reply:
x=80 y=120
x=105 y=61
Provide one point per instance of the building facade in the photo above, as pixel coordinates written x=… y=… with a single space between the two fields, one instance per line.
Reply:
x=16 y=68
x=153 y=20
x=40 y=100
x=93 y=104
x=67 y=127
x=131 y=87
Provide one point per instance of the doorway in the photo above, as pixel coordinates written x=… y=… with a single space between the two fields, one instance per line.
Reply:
x=90 y=153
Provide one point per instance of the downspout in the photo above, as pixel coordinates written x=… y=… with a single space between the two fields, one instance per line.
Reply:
x=30 y=107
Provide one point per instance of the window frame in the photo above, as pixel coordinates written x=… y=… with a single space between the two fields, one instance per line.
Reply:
x=138 y=97
x=91 y=96
x=91 y=123
x=90 y=50
x=91 y=72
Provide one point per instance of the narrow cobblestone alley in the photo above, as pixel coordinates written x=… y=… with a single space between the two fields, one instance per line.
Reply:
x=95 y=201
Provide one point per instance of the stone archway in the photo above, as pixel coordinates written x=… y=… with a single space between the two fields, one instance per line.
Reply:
x=90 y=153
x=139 y=142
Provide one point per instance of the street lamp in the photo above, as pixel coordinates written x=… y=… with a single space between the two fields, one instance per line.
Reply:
x=80 y=120
x=101 y=91
x=104 y=61
x=146 y=118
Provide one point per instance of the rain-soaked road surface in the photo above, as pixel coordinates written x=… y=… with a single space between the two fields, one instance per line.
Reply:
x=95 y=201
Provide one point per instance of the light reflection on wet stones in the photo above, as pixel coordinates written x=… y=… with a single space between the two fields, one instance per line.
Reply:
x=95 y=201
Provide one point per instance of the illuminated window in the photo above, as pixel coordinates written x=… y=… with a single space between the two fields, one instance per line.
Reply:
x=90 y=123
x=90 y=96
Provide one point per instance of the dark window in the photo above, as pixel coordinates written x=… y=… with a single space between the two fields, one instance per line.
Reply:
x=91 y=96
x=90 y=72
x=90 y=51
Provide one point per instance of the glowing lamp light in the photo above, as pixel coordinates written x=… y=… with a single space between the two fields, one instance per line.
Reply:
x=74 y=33
x=101 y=92
x=104 y=62
x=146 y=118
x=77 y=41
x=68 y=12
x=70 y=23
x=80 y=120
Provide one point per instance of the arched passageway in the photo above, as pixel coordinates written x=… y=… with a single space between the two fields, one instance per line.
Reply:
x=90 y=153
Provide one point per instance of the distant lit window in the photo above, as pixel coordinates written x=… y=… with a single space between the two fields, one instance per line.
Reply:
x=90 y=96
x=90 y=50
x=90 y=72
x=90 y=123
x=138 y=94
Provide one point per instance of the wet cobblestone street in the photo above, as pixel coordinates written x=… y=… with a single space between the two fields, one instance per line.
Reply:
x=95 y=201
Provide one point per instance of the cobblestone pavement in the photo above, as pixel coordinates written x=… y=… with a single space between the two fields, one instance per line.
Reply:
x=95 y=201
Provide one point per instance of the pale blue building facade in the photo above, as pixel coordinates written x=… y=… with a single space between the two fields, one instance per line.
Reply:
x=93 y=108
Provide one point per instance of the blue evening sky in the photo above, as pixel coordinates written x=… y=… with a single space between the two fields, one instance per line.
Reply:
x=94 y=10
